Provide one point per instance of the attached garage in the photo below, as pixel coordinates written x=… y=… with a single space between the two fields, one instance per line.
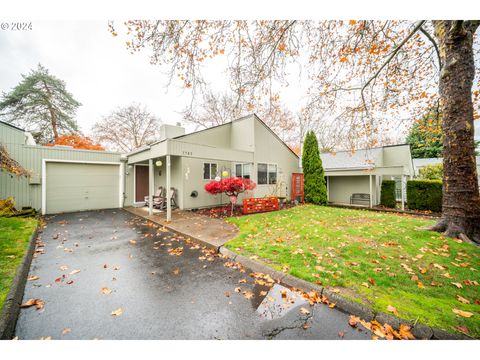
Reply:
x=76 y=186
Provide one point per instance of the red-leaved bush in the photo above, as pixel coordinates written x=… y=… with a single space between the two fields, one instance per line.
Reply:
x=231 y=187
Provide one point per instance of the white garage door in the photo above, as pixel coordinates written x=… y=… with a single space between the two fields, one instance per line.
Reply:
x=78 y=186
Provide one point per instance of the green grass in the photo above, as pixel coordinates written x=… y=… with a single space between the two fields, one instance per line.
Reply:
x=14 y=236
x=344 y=248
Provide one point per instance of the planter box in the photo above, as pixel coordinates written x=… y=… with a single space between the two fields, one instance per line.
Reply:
x=256 y=205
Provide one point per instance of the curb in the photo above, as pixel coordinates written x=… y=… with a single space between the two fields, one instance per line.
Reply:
x=420 y=331
x=11 y=307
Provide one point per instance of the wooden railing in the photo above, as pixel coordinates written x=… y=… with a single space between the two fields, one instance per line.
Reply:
x=256 y=205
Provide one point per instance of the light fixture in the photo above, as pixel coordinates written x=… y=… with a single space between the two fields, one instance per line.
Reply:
x=158 y=163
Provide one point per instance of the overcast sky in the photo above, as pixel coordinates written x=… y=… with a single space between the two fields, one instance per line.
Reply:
x=99 y=71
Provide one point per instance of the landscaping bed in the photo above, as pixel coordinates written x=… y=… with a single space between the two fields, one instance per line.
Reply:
x=15 y=234
x=382 y=260
x=224 y=211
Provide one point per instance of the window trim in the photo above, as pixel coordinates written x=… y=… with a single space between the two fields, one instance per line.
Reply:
x=268 y=176
x=210 y=168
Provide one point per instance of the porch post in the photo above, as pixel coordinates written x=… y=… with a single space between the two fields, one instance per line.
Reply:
x=328 y=188
x=169 y=201
x=403 y=191
x=370 y=187
x=150 y=186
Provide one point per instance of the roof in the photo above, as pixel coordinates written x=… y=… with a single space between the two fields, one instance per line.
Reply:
x=426 y=161
x=12 y=126
x=214 y=127
x=363 y=158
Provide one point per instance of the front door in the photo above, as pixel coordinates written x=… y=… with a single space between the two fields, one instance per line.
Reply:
x=141 y=183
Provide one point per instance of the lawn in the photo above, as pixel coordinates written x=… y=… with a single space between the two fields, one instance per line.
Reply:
x=375 y=258
x=14 y=236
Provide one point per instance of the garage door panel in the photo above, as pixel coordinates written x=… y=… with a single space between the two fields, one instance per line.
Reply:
x=77 y=187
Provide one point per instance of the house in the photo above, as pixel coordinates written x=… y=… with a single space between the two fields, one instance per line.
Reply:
x=362 y=172
x=65 y=179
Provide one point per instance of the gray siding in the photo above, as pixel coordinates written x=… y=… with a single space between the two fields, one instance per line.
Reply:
x=28 y=191
x=340 y=188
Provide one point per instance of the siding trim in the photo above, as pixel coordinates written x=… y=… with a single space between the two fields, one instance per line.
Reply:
x=44 y=178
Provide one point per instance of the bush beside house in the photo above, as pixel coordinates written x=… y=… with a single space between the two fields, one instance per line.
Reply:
x=387 y=194
x=424 y=195
x=315 y=188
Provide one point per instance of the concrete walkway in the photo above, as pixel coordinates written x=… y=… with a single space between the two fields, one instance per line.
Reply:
x=206 y=230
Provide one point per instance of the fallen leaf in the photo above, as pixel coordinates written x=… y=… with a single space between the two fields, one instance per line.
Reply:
x=133 y=242
x=331 y=305
x=31 y=302
x=176 y=271
x=237 y=289
x=462 y=329
x=341 y=334
x=106 y=290
x=353 y=320
x=69 y=282
x=227 y=294
x=117 y=312
x=462 y=300
x=392 y=310
x=462 y=313
x=420 y=285
x=458 y=285
x=248 y=295
x=405 y=333
x=306 y=326
x=73 y=272
x=371 y=281
x=66 y=331
x=365 y=284
x=33 y=278
x=63 y=267
x=304 y=311
x=46 y=338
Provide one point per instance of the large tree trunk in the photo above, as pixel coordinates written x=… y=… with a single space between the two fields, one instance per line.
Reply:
x=461 y=200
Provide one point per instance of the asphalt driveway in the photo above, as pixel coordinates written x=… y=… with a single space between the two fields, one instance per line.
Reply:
x=159 y=285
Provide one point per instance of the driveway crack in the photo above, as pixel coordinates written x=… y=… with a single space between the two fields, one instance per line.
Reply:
x=297 y=324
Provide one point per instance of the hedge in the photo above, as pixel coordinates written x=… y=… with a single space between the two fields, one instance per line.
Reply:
x=387 y=194
x=424 y=195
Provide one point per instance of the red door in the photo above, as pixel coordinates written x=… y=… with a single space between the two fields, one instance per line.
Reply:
x=297 y=187
x=141 y=183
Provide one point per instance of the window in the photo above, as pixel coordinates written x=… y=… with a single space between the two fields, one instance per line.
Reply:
x=262 y=174
x=242 y=170
x=209 y=171
x=266 y=174
x=272 y=174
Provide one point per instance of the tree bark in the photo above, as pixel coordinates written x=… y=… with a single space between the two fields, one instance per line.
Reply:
x=53 y=118
x=461 y=200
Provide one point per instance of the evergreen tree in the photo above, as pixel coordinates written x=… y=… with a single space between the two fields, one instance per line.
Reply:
x=40 y=104
x=314 y=177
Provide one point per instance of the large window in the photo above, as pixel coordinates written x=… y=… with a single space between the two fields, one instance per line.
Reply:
x=266 y=174
x=242 y=170
x=209 y=171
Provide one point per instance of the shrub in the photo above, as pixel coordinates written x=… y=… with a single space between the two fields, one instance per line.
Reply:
x=231 y=187
x=424 y=195
x=315 y=188
x=431 y=172
x=7 y=207
x=387 y=194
